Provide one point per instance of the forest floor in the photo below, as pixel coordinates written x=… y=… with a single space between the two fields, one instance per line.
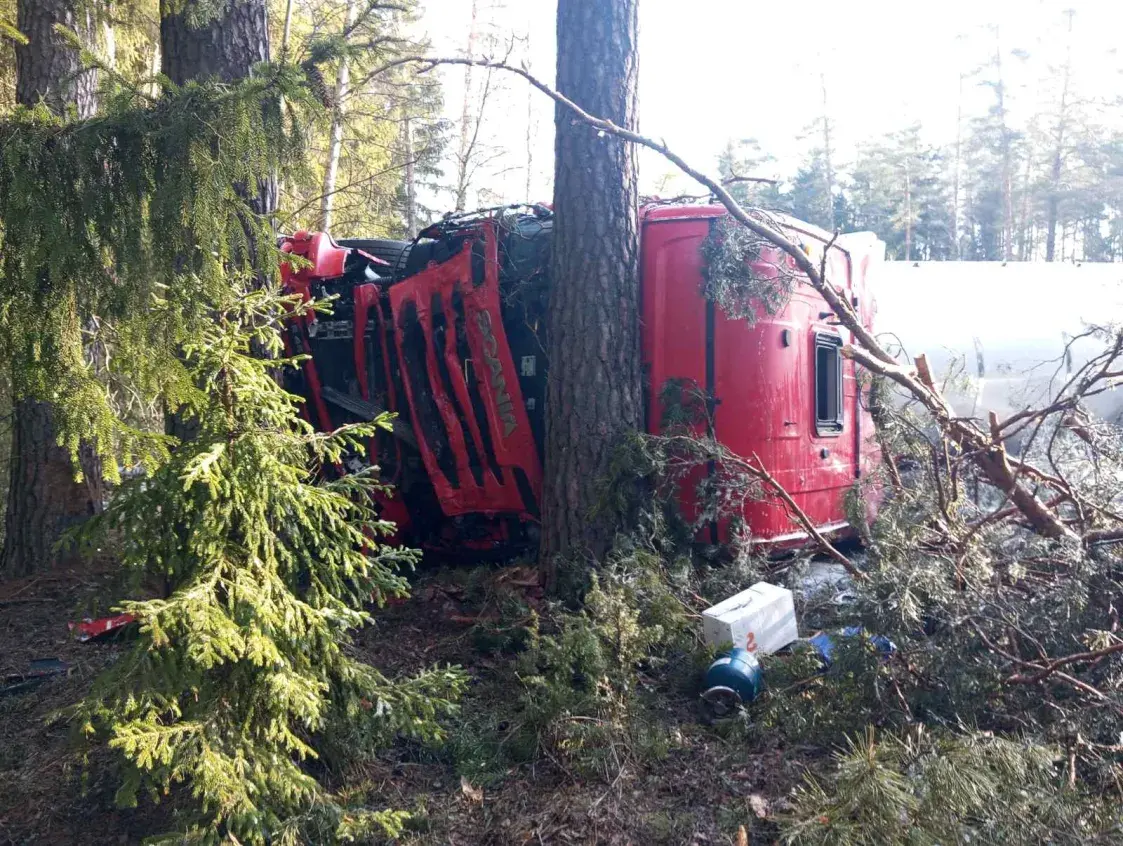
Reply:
x=699 y=788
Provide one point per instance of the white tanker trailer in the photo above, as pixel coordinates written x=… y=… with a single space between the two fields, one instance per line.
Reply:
x=1001 y=327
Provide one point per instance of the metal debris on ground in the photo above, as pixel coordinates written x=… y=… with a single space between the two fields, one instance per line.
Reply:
x=38 y=671
x=733 y=680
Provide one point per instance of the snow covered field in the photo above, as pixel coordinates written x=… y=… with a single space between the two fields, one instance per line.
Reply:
x=1010 y=322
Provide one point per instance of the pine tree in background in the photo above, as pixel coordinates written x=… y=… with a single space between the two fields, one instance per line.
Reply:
x=808 y=199
x=743 y=160
x=420 y=147
x=900 y=190
x=242 y=667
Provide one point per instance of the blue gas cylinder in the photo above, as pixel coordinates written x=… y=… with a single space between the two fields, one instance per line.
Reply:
x=734 y=679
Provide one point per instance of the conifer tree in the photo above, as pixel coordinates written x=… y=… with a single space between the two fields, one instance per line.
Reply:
x=241 y=669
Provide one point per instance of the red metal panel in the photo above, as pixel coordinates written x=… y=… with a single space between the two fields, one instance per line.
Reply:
x=673 y=330
x=763 y=375
x=325 y=257
x=366 y=303
x=491 y=368
x=297 y=343
x=674 y=312
x=296 y=338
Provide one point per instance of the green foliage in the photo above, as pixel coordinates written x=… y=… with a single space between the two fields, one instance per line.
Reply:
x=738 y=276
x=804 y=703
x=105 y=218
x=8 y=30
x=926 y=789
x=978 y=608
x=583 y=700
x=241 y=674
x=583 y=687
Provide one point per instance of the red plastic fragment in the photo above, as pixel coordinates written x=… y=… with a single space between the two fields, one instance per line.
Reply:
x=94 y=629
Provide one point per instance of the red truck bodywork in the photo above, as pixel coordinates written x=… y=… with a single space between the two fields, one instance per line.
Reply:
x=451 y=341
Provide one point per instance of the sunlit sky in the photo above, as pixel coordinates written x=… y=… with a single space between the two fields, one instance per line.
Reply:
x=712 y=70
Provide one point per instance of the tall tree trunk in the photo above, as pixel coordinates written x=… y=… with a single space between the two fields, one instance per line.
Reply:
x=230 y=41
x=48 y=68
x=908 y=209
x=957 y=246
x=153 y=87
x=335 y=141
x=1053 y=201
x=410 y=177
x=1025 y=227
x=594 y=392
x=1006 y=152
x=44 y=497
x=286 y=30
x=233 y=39
x=227 y=44
x=531 y=126
x=464 y=152
x=827 y=164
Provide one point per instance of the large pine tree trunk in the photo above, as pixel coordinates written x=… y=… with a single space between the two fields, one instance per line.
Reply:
x=594 y=393
x=44 y=498
x=199 y=42
x=226 y=45
x=48 y=68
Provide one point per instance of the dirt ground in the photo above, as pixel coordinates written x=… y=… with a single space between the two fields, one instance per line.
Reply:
x=701 y=791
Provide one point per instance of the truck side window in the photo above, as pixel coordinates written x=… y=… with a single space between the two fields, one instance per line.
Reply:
x=828 y=384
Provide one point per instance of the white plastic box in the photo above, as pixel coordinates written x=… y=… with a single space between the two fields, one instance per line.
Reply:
x=760 y=619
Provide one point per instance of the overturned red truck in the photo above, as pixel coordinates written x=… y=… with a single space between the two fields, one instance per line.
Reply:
x=448 y=331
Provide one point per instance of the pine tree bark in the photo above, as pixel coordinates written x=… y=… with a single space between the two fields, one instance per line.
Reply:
x=48 y=69
x=1053 y=201
x=594 y=394
x=44 y=497
x=223 y=45
x=226 y=46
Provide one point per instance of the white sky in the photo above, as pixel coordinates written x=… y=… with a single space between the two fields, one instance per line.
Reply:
x=711 y=70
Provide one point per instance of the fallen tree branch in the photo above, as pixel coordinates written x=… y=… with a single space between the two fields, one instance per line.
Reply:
x=1021 y=662
x=734 y=180
x=1052 y=666
x=696 y=450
